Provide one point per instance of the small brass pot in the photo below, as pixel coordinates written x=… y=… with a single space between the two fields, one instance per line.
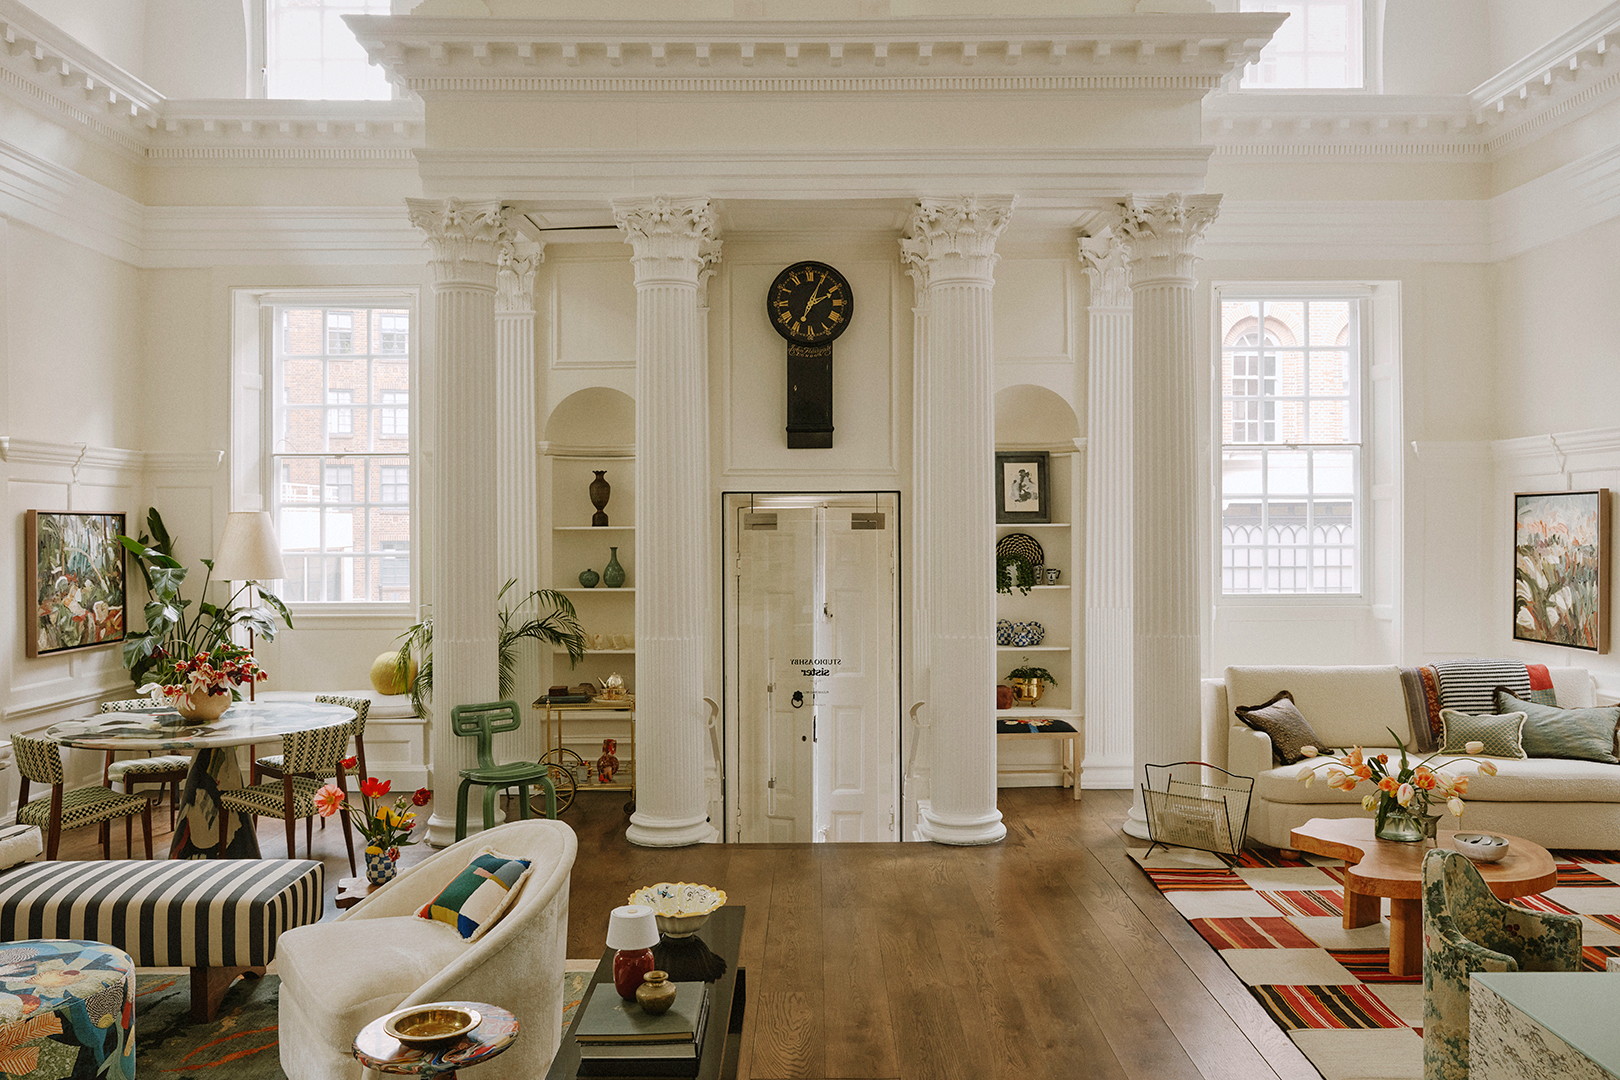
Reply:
x=1029 y=691
x=656 y=993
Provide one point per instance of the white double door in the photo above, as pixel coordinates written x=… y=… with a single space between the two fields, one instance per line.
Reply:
x=816 y=688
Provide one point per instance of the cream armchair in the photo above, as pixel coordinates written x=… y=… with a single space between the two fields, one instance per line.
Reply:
x=338 y=976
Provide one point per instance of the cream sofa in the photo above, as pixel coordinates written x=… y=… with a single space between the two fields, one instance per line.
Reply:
x=338 y=976
x=1555 y=802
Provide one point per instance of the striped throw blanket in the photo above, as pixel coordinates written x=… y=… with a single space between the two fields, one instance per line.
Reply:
x=1468 y=686
x=189 y=913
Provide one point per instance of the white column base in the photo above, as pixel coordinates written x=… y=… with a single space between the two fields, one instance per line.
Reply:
x=961 y=832
x=1136 y=824
x=441 y=828
x=648 y=831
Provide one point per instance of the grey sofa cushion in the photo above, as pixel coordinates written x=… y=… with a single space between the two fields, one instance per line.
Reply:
x=1281 y=719
x=1549 y=732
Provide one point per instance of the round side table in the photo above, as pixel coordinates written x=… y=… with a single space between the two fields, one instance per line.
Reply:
x=376 y=1049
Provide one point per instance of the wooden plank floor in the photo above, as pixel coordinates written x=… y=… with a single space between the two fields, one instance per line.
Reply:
x=1048 y=955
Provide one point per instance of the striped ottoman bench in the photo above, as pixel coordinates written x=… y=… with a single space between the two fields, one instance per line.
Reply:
x=218 y=917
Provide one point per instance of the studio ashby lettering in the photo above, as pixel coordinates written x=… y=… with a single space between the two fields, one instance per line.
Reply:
x=814 y=668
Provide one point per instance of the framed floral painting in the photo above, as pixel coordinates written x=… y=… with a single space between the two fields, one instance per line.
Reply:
x=1561 y=568
x=76 y=585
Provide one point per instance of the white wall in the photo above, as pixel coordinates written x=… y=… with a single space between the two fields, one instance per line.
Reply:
x=114 y=29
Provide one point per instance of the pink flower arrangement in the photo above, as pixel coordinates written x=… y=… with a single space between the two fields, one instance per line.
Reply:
x=387 y=828
x=210 y=673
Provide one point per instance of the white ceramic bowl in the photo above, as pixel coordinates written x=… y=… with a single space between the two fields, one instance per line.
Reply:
x=1481 y=847
x=680 y=907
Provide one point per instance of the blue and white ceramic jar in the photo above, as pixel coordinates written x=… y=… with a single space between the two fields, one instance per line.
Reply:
x=1004 y=632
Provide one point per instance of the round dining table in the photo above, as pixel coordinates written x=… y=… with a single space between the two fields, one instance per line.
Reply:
x=213 y=761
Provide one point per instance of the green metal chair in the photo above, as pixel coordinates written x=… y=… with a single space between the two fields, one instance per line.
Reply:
x=484 y=722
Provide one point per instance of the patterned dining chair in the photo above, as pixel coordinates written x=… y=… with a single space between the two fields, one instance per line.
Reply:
x=159 y=769
x=40 y=762
x=1467 y=929
x=271 y=764
x=307 y=758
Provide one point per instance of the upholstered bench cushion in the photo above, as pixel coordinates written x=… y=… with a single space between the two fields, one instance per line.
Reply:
x=221 y=913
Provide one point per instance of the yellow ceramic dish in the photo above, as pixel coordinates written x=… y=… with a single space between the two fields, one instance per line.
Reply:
x=680 y=907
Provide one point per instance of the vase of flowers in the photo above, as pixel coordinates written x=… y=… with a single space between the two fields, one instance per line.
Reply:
x=202 y=688
x=385 y=827
x=1406 y=792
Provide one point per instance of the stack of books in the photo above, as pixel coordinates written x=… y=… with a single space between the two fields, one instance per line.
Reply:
x=620 y=1038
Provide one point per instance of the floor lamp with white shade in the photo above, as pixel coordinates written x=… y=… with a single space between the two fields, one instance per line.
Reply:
x=249 y=551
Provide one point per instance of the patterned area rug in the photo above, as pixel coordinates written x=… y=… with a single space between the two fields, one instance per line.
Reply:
x=1279 y=925
x=240 y=1042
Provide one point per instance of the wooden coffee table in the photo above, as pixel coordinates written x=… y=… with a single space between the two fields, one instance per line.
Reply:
x=1386 y=868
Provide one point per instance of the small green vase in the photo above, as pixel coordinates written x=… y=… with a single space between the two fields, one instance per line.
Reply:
x=613 y=573
x=589 y=578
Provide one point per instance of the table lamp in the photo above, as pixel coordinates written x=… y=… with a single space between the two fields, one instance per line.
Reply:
x=249 y=551
x=633 y=931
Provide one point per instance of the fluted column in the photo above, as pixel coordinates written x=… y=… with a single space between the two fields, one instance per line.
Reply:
x=673 y=241
x=463 y=238
x=1109 y=645
x=955 y=239
x=1159 y=236
x=919 y=750
x=516 y=469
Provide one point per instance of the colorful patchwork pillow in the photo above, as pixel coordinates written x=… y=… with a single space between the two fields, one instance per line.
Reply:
x=479 y=895
x=1503 y=734
x=1281 y=719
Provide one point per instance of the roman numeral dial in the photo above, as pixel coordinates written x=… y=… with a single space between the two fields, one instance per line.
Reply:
x=809 y=303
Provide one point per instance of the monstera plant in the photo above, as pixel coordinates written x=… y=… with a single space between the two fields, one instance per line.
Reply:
x=176 y=629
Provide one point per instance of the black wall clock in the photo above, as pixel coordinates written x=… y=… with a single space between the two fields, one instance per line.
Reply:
x=809 y=304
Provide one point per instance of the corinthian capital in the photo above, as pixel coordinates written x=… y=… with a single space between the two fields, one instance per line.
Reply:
x=668 y=237
x=709 y=253
x=464 y=238
x=514 y=278
x=955 y=239
x=1102 y=260
x=1159 y=234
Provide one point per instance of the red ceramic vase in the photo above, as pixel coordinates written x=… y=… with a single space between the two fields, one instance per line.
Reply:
x=629 y=965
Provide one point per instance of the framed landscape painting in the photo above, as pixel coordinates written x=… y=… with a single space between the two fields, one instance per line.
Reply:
x=1561 y=568
x=76 y=586
x=1023 y=494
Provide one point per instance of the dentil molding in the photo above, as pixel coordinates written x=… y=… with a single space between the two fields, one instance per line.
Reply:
x=1186 y=52
x=1572 y=75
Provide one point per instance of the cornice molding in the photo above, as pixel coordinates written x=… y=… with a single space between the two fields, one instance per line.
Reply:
x=62 y=203
x=17 y=451
x=176 y=236
x=1577 y=72
x=1190 y=52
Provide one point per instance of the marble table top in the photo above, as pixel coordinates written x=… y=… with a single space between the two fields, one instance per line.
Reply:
x=242 y=723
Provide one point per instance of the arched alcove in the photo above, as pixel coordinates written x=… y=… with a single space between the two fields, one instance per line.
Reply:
x=598 y=420
x=1033 y=416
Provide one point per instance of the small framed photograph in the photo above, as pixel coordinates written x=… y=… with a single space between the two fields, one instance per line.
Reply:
x=1023 y=493
x=1561 y=568
x=75 y=581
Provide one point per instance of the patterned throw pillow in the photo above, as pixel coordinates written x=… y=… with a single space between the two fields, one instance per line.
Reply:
x=1501 y=733
x=1581 y=734
x=1281 y=719
x=479 y=895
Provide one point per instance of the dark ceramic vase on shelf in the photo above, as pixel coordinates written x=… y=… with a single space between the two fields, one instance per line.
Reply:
x=600 y=490
x=588 y=578
x=613 y=573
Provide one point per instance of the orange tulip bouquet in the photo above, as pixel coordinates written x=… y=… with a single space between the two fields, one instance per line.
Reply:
x=1404 y=792
x=386 y=828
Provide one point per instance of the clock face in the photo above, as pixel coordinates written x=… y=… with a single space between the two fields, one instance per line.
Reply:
x=810 y=303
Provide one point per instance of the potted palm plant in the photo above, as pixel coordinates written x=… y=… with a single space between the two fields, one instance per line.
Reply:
x=1030 y=682
x=553 y=621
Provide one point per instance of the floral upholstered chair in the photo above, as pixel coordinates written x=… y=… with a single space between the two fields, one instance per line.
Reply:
x=1467 y=929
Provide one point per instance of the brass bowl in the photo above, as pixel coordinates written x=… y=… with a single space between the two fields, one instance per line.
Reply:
x=427 y=1024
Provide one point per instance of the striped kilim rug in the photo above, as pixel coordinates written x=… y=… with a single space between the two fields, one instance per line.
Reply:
x=1279 y=925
